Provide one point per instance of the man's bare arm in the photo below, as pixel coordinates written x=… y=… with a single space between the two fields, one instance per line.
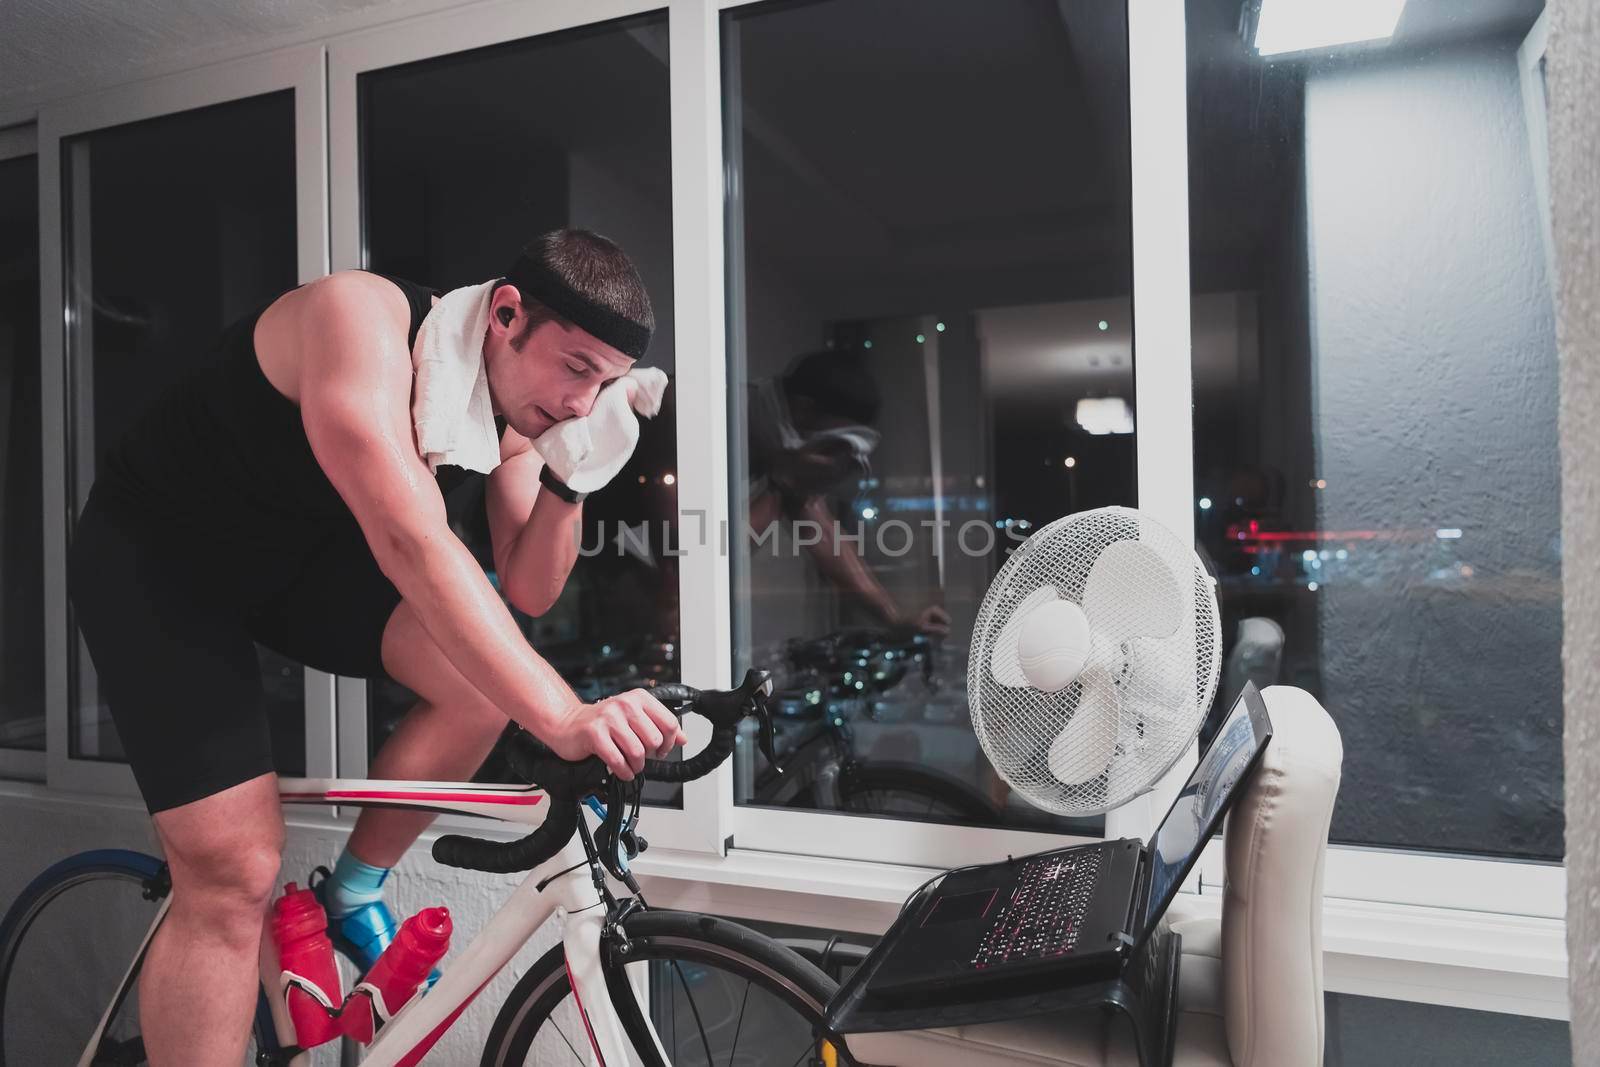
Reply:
x=842 y=564
x=535 y=533
x=355 y=390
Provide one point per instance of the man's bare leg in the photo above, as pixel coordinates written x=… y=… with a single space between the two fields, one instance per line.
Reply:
x=445 y=737
x=197 y=990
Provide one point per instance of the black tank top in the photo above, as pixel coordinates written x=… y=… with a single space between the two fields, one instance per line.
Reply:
x=221 y=459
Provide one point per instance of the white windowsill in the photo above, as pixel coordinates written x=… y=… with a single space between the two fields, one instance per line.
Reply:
x=1470 y=959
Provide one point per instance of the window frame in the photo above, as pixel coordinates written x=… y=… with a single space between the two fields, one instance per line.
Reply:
x=1394 y=875
x=1158 y=105
x=452 y=31
x=298 y=69
x=1469 y=911
x=28 y=765
x=1163 y=384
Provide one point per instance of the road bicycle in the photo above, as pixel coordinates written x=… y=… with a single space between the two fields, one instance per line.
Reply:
x=626 y=984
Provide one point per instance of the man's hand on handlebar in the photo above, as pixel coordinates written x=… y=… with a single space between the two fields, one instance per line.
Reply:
x=934 y=620
x=637 y=722
x=623 y=730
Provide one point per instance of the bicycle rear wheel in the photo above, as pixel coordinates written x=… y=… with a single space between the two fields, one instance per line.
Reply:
x=71 y=944
x=720 y=993
x=65 y=948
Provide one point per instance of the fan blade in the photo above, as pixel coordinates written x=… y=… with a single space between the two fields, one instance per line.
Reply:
x=1083 y=749
x=1162 y=673
x=1131 y=592
x=1003 y=660
x=1154 y=727
x=1054 y=645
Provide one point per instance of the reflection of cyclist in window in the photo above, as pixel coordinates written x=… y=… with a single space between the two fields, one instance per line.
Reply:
x=811 y=434
x=279 y=497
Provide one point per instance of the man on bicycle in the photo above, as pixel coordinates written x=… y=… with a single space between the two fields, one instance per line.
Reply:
x=279 y=497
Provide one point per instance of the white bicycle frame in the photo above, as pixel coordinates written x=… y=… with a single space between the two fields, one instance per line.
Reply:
x=570 y=896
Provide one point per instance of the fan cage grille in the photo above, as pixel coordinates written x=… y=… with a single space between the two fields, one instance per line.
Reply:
x=1156 y=689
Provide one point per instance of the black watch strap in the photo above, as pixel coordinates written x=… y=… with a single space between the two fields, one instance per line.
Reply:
x=548 y=479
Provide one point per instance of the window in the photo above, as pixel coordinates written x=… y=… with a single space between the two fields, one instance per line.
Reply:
x=174 y=227
x=22 y=699
x=1376 y=469
x=462 y=165
x=930 y=354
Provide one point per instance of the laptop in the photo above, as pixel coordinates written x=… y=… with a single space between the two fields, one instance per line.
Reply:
x=1068 y=916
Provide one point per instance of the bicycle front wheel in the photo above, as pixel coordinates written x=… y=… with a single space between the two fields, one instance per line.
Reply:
x=720 y=993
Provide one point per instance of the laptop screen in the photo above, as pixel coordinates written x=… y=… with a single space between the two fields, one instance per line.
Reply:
x=1198 y=811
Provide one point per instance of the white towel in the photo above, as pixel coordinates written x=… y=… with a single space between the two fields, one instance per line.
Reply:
x=772 y=432
x=587 y=452
x=450 y=405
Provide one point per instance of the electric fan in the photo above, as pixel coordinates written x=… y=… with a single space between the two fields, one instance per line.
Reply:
x=1094 y=660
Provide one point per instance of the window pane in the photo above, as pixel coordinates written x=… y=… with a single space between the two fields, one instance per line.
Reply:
x=601 y=161
x=929 y=270
x=175 y=227
x=1375 y=409
x=21 y=503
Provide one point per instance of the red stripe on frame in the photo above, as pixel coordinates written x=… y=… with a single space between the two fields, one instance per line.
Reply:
x=583 y=1014
x=412 y=1058
x=470 y=798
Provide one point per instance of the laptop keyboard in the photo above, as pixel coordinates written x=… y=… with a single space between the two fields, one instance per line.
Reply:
x=1045 y=911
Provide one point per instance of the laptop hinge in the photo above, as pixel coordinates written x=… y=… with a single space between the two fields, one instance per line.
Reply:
x=1141 y=892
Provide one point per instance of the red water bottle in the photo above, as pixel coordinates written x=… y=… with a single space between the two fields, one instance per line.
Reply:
x=312 y=989
x=394 y=979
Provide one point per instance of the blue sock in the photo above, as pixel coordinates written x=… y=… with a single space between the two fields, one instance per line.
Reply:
x=353 y=885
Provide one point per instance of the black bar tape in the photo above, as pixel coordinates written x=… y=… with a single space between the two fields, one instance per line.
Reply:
x=567 y=782
x=674 y=691
x=511 y=857
x=699 y=765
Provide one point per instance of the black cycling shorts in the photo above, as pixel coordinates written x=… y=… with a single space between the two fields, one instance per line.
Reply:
x=173 y=640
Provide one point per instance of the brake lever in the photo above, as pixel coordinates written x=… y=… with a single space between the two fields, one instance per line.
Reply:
x=756 y=704
x=611 y=835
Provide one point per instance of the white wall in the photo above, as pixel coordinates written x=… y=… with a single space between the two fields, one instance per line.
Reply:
x=1575 y=206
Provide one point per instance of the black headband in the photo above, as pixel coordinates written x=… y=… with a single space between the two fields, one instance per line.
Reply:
x=536 y=281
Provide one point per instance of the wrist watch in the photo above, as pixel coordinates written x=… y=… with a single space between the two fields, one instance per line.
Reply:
x=548 y=479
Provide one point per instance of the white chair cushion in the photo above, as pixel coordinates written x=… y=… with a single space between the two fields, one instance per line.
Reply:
x=1276 y=840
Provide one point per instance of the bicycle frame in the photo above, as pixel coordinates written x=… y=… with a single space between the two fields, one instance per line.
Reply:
x=570 y=896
